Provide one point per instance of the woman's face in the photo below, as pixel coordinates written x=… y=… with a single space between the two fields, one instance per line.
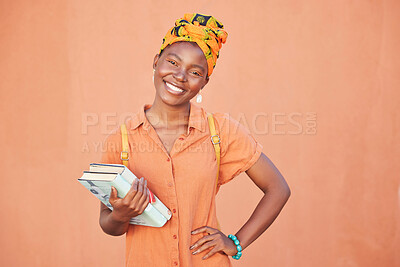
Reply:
x=180 y=73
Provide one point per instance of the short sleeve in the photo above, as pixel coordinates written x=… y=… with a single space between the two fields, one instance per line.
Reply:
x=111 y=148
x=239 y=149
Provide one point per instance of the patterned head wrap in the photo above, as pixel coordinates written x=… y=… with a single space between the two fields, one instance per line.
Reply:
x=204 y=30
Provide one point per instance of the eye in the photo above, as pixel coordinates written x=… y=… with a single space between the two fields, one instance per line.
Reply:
x=197 y=73
x=172 y=62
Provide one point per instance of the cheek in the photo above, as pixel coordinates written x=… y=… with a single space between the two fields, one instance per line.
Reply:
x=199 y=84
x=195 y=86
x=164 y=68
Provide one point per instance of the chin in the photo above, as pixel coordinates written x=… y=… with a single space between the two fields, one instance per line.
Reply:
x=168 y=100
x=172 y=100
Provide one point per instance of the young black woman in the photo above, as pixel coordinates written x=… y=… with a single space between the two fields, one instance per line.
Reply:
x=171 y=150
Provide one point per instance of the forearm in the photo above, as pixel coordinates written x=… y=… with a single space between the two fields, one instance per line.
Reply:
x=263 y=216
x=111 y=225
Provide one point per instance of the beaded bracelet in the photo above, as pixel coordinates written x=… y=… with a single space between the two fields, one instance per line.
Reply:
x=238 y=247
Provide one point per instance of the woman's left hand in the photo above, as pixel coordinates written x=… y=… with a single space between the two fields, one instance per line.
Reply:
x=215 y=239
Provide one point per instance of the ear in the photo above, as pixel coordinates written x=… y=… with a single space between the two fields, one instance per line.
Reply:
x=156 y=58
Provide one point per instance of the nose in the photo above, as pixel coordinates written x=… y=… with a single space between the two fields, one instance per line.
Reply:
x=180 y=75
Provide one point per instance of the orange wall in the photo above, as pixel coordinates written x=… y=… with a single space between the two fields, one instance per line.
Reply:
x=62 y=62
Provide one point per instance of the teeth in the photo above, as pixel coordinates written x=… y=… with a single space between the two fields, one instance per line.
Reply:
x=174 y=88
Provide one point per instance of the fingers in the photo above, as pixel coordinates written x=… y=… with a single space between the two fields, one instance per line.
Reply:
x=139 y=190
x=132 y=191
x=206 y=229
x=211 y=252
x=144 y=199
x=139 y=201
x=135 y=201
x=205 y=246
x=213 y=239
x=113 y=195
x=201 y=241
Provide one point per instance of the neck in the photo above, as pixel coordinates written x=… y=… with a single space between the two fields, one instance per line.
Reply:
x=163 y=115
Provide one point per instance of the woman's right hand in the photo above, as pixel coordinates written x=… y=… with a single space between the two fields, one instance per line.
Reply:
x=133 y=204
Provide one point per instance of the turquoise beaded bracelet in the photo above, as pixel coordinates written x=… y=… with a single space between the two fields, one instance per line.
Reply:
x=238 y=247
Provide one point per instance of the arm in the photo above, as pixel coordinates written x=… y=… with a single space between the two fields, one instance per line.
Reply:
x=276 y=192
x=116 y=222
x=110 y=224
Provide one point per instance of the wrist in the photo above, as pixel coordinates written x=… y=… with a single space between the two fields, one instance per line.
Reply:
x=238 y=247
x=117 y=218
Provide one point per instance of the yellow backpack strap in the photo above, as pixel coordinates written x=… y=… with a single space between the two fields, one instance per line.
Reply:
x=125 y=145
x=215 y=139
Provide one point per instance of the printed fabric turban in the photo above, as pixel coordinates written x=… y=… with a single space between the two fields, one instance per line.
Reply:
x=206 y=31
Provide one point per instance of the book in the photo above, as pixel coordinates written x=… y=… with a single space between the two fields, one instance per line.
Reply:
x=99 y=179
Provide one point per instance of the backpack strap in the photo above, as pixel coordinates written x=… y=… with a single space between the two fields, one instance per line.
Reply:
x=216 y=140
x=125 y=155
x=125 y=145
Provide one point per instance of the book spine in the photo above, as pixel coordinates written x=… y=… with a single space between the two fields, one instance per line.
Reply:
x=128 y=175
x=161 y=208
x=121 y=185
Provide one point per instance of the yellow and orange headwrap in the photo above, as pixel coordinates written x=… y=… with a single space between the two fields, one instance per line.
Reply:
x=204 y=30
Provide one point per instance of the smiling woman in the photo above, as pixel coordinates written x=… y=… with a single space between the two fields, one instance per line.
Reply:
x=182 y=165
x=180 y=72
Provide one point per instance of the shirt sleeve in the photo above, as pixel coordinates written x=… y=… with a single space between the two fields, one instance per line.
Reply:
x=111 y=149
x=239 y=149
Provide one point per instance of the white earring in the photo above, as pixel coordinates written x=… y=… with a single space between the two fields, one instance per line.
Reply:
x=199 y=98
x=153 y=74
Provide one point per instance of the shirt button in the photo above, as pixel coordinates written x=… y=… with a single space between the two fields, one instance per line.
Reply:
x=175 y=263
x=174 y=236
x=170 y=184
x=168 y=159
x=174 y=210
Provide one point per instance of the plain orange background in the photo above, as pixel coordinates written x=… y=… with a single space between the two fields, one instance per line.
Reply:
x=316 y=81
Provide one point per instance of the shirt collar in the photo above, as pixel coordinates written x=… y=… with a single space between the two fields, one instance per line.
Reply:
x=196 y=118
x=140 y=117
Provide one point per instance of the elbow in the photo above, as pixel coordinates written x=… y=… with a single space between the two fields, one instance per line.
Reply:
x=110 y=229
x=111 y=232
x=283 y=192
x=116 y=234
x=287 y=192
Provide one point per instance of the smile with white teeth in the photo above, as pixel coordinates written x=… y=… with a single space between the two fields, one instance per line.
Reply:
x=174 y=88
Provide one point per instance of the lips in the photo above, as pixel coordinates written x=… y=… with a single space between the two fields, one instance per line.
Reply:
x=174 y=89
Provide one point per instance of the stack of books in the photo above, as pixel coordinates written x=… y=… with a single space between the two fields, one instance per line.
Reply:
x=101 y=177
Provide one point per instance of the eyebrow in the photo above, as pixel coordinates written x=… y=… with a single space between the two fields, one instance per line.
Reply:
x=194 y=65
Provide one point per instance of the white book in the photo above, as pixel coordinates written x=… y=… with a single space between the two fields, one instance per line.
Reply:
x=101 y=177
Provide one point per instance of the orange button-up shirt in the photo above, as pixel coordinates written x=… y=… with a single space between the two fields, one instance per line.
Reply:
x=184 y=181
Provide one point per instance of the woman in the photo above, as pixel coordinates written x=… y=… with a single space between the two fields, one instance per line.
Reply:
x=170 y=146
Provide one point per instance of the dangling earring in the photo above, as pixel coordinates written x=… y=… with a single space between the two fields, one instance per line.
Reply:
x=199 y=98
x=153 y=74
